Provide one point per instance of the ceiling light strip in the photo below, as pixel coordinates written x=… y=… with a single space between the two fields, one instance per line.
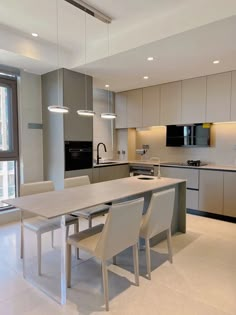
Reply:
x=90 y=10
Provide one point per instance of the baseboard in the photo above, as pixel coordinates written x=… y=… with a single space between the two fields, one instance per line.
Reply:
x=212 y=215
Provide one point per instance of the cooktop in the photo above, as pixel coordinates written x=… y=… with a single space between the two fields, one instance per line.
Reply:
x=188 y=163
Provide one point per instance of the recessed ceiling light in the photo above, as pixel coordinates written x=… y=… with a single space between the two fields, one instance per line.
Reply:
x=34 y=34
x=150 y=58
x=107 y=85
x=145 y=77
x=216 y=61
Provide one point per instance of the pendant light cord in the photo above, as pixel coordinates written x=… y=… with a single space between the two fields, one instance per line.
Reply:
x=108 y=54
x=85 y=55
x=58 y=62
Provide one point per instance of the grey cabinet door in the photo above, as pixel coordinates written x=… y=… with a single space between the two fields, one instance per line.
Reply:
x=218 y=97
x=194 y=100
x=229 y=194
x=211 y=191
x=170 y=103
x=113 y=172
x=77 y=94
x=121 y=110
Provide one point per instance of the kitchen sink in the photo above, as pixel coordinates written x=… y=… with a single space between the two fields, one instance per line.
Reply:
x=108 y=162
x=145 y=178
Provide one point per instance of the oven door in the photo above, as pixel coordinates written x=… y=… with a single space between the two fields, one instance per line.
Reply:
x=78 y=155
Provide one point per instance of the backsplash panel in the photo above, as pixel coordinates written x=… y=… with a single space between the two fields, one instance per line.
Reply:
x=222 y=150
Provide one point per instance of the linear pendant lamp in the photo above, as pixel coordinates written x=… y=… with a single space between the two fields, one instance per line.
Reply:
x=108 y=115
x=58 y=108
x=86 y=111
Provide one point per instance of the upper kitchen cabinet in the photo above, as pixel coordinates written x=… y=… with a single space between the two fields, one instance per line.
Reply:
x=151 y=106
x=218 y=97
x=170 y=103
x=74 y=88
x=233 y=97
x=135 y=108
x=194 y=100
x=121 y=110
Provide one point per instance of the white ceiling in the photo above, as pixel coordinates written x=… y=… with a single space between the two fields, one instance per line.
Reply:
x=171 y=30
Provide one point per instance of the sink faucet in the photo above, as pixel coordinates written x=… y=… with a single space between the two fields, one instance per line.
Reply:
x=105 y=149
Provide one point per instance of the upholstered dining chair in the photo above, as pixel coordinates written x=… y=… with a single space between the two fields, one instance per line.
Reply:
x=38 y=224
x=121 y=230
x=156 y=220
x=91 y=212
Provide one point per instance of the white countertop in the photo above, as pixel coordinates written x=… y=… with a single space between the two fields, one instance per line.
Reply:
x=230 y=168
x=56 y=203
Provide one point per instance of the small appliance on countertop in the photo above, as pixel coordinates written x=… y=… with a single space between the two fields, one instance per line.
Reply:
x=195 y=163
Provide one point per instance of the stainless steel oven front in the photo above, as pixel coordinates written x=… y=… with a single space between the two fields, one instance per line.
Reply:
x=78 y=155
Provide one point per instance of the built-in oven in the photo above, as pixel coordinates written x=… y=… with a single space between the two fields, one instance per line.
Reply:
x=135 y=170
x=78 y=155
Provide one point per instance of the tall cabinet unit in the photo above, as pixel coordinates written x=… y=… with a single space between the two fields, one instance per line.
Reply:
x=194 y=100
x=218 y=97
x=151 y=106
x=171 y=103
x=57 y=127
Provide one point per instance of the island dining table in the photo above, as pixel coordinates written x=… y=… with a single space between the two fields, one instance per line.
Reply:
x=63 y=202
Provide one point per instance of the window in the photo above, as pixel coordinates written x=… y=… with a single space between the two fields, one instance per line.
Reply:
x=8 y=139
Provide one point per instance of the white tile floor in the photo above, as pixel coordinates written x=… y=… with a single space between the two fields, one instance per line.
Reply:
x=201 y=281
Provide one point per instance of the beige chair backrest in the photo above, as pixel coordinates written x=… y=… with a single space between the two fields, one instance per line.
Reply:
x=159 y=213
x=36 y=188
x=76 y=181
x=121 y=229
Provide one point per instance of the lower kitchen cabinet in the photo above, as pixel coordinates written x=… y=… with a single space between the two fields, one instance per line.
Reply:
x=229 y=194
x=191 y=175
x=211 y=187
x=102 y=174
x=88 y=172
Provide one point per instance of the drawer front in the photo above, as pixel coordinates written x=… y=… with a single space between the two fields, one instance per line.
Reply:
x=191 y=175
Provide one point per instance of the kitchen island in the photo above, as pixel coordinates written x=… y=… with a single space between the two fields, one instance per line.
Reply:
x=60 y=203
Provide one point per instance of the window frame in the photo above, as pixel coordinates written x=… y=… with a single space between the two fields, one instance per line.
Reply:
x=14 y=153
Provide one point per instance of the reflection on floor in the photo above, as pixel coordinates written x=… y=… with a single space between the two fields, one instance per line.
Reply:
x=201 y=281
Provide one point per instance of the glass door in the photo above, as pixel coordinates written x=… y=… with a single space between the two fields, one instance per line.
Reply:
x=9 y=152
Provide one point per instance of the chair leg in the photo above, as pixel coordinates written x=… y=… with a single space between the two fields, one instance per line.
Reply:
x=89 y=222
x=39 y=249
x=169 y=243
x=136 y=263
x=76 y=230
x=148 y=258
x=52 y=238
x=68 y=265
x=105 y=284
x=114 y=260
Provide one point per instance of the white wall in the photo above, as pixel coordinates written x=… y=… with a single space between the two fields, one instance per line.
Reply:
x=222 y=150
x=31 y=140
x=103 y=129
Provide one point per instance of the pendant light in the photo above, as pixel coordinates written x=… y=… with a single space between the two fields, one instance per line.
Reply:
x=86 y=111
x=108 y=115
x=58 y=108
